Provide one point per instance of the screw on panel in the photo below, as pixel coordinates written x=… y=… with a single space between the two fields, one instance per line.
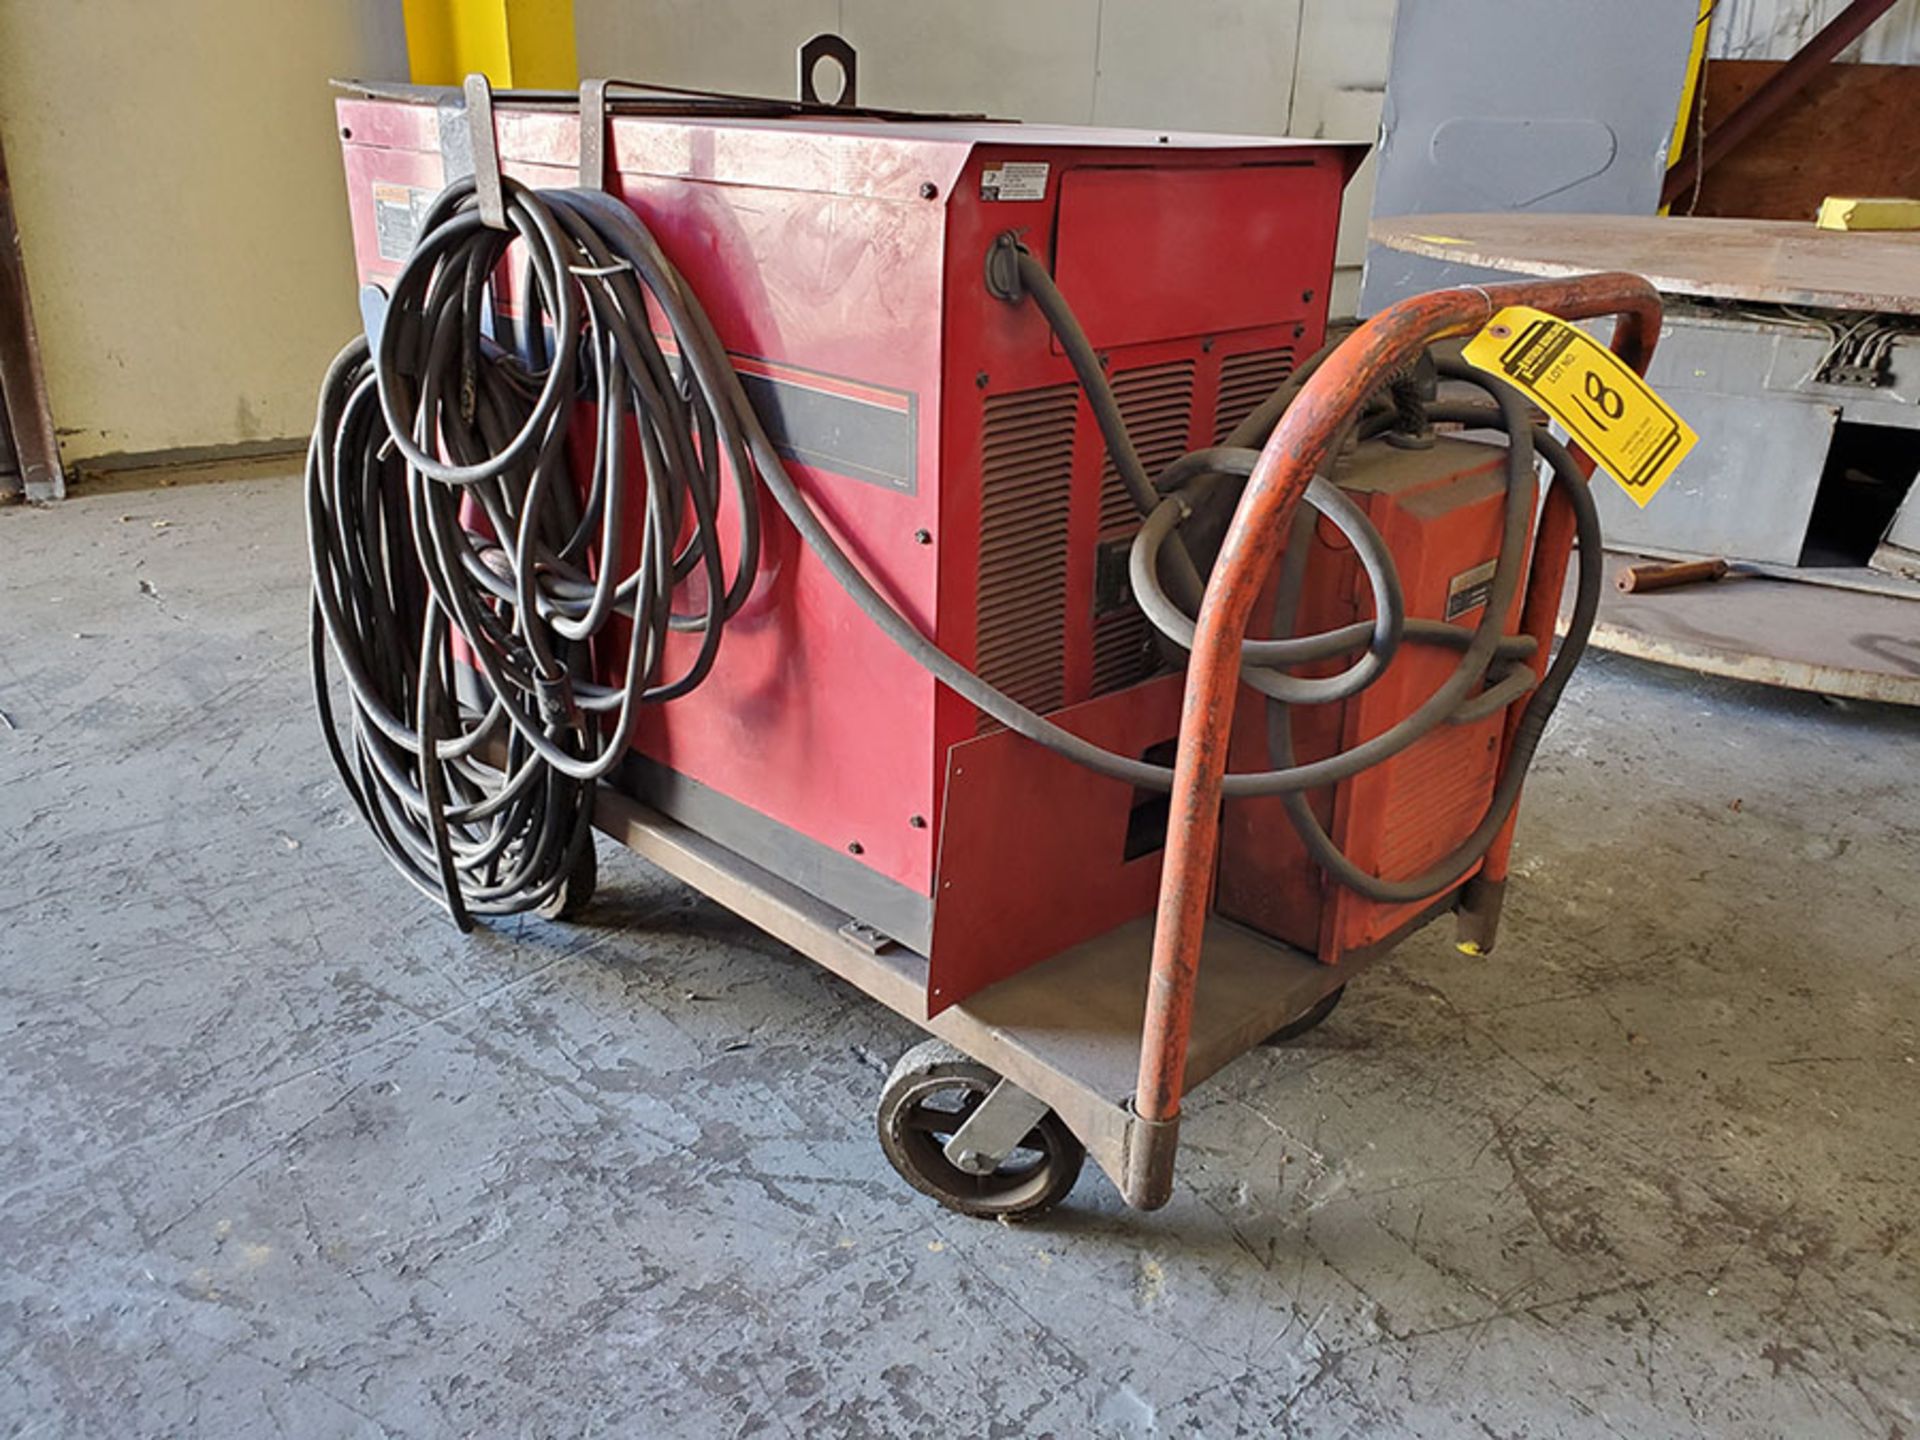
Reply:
x=1307 y=296
x=1206 y=347
x=854 y=847
x=929 y=190
x=980 y=380
x=346 y=132
x=923 y=537
x=1298 y=331
x=918 y=822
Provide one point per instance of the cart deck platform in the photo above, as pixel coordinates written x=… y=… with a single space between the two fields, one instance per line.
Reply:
x=1067 y=1031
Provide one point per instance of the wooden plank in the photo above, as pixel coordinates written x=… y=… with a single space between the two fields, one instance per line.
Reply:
x=1775 y=93
x=1765 y=261
x=1848 y=133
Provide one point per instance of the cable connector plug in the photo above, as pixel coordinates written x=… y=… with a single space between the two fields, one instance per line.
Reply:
x=1003 y=268
x=555 y=696
x=1413 y=388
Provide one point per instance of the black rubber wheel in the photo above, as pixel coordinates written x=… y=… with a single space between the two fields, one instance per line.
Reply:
x=570 y=901
x=929 y=1095
x=1299 y=1025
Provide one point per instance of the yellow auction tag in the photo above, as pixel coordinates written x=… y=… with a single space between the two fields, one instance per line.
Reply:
x=1596 y=397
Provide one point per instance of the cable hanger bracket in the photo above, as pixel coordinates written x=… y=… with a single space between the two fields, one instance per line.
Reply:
x=484 y=150
x=593 y=133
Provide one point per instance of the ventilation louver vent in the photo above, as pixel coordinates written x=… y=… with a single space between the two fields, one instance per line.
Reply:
x=1026 y=478
x=1157 y=404
x=1439 y=792
x=1246 y=380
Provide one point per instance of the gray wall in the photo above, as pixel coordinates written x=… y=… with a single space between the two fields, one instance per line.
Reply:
x=1258 y=67
x=176 y=177
x=1774 y=29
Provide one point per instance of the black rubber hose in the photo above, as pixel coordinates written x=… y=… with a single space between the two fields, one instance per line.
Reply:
x=1259 y=658
x=1195 y=474
x=702 y=350
x=1018 y=718
x=1189 y=481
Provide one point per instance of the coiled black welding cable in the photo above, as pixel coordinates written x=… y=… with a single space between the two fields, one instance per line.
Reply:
x=1484 y=643
x=371 y=610
x=441 y=503
x=1190 y=478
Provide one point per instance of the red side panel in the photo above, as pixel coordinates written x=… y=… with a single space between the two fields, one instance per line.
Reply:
x=1155 y=254
x=1038 y=853
x=811 y=716
x=1029 y=840
x=1404 y=815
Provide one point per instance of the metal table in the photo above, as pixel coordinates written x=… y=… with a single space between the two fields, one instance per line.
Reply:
x=1772 y=262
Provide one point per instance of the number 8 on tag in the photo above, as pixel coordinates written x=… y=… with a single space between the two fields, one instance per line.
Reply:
x=1597 y=398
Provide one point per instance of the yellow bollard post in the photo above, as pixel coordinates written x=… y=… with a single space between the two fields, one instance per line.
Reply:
x=516 y=44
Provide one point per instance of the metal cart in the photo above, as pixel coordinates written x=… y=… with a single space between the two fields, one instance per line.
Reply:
x=1090 y=1052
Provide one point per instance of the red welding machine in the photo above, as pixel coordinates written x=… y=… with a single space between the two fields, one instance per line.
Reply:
x=798 y=493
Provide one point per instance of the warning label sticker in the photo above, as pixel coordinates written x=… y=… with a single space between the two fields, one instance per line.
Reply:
x=397 y=213
x=1015 y=180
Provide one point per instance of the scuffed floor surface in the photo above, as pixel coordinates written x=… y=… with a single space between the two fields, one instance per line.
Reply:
x=283 y=1153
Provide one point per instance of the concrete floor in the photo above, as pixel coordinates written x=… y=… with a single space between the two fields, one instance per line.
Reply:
x=282 y=1151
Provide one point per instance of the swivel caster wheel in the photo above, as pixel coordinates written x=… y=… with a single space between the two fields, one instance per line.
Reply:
x=1308 y=1019
x=935 y=1090
x=576 y=891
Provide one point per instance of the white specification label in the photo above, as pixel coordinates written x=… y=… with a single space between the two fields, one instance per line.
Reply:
x=397 y=213
x=1015 y=180
x=1470 y=589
